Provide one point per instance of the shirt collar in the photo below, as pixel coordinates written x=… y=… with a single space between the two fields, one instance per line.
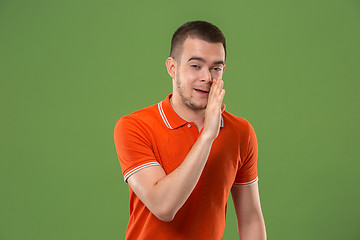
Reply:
x=171 y=119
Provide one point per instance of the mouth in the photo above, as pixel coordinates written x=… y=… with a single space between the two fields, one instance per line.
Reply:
x=203 y=91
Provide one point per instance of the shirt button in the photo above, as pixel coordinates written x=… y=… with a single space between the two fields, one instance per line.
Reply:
x=189 y=125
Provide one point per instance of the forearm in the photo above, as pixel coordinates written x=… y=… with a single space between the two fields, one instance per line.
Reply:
x=171 y=191
x=252 y=229
x=250 y=220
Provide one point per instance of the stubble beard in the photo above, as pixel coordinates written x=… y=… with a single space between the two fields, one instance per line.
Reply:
x=187 y=101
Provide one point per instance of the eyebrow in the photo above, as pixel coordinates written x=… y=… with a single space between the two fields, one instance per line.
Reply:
x=203 y=60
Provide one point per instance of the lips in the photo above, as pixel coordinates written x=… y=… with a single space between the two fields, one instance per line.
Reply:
x=201 y=90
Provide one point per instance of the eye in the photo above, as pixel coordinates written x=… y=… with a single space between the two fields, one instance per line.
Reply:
x=195 y=66
x=218 y=69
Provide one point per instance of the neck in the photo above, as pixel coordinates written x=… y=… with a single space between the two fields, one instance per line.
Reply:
x=187 y=113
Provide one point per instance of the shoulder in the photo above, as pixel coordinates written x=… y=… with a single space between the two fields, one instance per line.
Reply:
x=139 y=119
x=236 y=123
x=238 y=126
x=142 y=115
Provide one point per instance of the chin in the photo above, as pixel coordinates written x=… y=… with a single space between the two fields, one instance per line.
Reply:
x=197 y=107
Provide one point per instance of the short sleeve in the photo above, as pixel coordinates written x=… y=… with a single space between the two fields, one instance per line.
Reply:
x=247 y=171
x=133 y=146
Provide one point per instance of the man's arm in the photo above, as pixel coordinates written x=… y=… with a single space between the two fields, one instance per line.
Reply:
x=165 y=194
x=250 y=220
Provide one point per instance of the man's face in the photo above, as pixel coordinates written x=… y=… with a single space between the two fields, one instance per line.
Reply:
x=198 y=64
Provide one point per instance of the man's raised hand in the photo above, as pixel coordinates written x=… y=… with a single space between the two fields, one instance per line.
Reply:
x=214 y=109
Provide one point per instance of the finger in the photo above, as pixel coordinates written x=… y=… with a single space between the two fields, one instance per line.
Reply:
x=217 y=86
x=221 y=95
x=214 y=85
x=221 y=85
x=213 y=92
x=221 y=90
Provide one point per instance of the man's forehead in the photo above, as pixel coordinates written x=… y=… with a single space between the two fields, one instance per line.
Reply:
x=201 y=50
x=200 y=59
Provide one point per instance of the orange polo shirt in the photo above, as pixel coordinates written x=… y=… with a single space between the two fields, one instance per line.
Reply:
x=156 y=135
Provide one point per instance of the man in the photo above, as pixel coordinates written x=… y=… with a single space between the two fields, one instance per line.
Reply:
x=183 y=156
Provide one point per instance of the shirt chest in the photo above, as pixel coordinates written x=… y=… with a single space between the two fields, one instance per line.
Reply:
x=172 y=148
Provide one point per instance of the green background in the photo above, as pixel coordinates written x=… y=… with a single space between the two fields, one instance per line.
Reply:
x=69 y=69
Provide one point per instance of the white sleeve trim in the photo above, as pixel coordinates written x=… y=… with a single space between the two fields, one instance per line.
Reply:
x=138 y=168
x=247 y=183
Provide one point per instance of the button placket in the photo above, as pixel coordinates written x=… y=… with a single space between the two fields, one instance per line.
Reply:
x=192 y=130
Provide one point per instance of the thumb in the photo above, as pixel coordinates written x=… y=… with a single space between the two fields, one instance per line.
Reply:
x=223 y=106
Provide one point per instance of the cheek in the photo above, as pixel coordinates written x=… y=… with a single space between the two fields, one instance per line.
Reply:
x=191 y=76
x=191 y=73
x=217 y=75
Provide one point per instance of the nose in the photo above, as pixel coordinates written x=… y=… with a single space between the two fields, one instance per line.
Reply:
x=206 y=76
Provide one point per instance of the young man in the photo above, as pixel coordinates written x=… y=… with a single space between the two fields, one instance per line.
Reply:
x=183 y=156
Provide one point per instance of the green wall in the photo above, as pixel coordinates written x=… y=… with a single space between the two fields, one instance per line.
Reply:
x=70 y=69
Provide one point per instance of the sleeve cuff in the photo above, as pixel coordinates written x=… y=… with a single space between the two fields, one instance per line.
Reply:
x=138 y=168
x=246 y=183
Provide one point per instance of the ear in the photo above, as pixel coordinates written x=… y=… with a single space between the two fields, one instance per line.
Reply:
x=171 y=66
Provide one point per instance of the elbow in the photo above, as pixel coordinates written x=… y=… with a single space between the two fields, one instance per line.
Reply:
x=165 y=217
x=164 y=214
x=161 y=206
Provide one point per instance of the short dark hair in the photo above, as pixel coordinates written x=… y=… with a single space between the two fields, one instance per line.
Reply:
x=196 y=29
